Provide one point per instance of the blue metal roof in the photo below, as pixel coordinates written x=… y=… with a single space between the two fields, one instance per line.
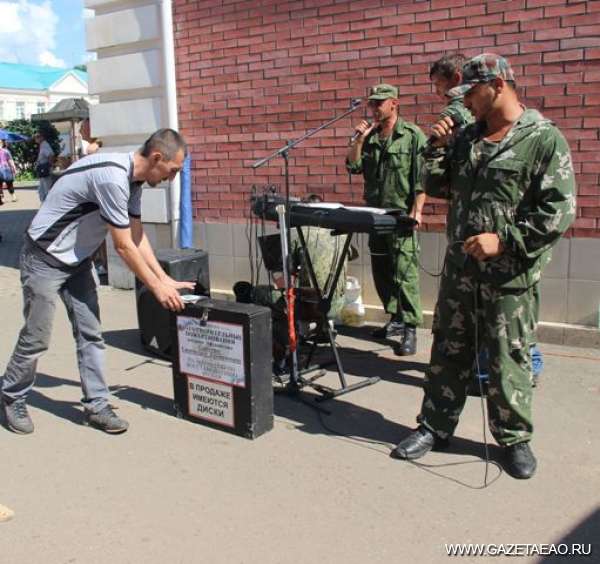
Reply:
x=30 y=77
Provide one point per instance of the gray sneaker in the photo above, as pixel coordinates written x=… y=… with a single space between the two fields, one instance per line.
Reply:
x=17 y=417
x=106 y=420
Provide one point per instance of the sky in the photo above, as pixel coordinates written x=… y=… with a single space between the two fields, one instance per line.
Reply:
x=43 y=32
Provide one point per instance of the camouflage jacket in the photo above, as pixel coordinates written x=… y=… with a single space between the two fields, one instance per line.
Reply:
x=524 y=192
x=390 y=168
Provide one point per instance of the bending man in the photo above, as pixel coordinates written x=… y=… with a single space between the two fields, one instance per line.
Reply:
x=97 y=194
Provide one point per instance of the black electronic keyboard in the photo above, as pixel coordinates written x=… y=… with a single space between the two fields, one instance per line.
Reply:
x=342 y=219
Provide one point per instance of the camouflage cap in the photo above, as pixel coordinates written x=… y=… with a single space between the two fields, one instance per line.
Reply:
x=482 y=68
x=383 y=92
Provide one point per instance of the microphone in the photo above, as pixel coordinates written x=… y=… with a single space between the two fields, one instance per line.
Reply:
x=456 y=118
x=357 y=134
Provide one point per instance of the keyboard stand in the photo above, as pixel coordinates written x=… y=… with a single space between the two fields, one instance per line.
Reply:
x=325 y=299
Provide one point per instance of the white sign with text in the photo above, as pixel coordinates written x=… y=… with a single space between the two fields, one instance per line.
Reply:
x=211 y=350
x=210 y=401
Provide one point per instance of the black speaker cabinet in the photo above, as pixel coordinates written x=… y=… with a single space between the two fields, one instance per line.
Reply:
x=222 y=366
x=154 y=320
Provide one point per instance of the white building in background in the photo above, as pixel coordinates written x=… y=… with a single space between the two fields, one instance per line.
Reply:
x=29 y=89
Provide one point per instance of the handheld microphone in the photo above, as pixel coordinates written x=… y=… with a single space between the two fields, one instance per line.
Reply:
x=357 y=134
x=456 y=118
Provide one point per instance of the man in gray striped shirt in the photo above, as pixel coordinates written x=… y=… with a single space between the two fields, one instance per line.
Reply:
x=96 y=195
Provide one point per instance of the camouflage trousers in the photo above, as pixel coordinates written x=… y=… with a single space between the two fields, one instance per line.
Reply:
x=470 y=315
x=395 y=265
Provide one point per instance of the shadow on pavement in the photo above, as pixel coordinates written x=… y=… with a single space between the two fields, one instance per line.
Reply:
x=357 y=362
x=145 y=399
x=73 y=411
x=350 y=420
x=46 y=381
x=127 y=340
x=345 y=419
x=69 y=410
x=587 y=533
x=363 y=333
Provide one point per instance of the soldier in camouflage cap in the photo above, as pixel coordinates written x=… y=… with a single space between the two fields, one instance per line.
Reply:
x=483 y=68
x=511 y=188
x=386 y=152
x=383 y=92
x=446 y=73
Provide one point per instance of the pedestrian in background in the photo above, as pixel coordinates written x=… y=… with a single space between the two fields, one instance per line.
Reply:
x=89 y=144
x=43 y=165
x=8 y=171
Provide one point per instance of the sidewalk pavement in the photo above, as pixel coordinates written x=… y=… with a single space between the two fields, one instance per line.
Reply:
x=170 y=491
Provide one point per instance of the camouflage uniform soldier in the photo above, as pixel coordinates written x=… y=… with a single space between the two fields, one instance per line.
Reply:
x=446 y=74
x=386 y=153
x=510 y=182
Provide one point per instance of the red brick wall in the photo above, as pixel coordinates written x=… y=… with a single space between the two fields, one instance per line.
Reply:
x=252 y=74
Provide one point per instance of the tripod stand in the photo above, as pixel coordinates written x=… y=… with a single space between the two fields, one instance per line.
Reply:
x=296 y=381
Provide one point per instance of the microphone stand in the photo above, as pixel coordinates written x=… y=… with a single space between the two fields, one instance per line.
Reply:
x=296 y=381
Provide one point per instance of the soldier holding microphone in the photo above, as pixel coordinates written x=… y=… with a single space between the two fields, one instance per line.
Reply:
x=511 y=188
x=386 y=152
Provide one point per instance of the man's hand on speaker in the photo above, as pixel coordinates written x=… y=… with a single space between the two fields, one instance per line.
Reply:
x=168 y=297
x=166 y=279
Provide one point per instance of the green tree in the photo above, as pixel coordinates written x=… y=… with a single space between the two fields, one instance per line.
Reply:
x=25 y=153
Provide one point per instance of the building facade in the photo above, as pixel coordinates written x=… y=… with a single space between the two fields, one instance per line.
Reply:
x=29 y=89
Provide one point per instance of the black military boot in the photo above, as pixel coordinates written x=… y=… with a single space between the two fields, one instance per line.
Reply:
x=408 y=345
x=519 y=461
x=417 y=444
x=393 y=328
